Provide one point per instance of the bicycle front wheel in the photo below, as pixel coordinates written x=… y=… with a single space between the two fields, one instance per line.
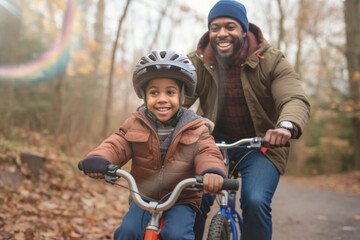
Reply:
x=219 y=228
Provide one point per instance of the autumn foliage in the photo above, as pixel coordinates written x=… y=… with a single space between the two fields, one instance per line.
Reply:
x=60 y=203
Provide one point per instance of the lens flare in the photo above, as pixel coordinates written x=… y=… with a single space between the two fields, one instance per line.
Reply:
x=52 y=62
x=9 y=7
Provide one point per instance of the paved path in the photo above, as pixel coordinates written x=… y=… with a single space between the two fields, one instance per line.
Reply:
x=303 y=213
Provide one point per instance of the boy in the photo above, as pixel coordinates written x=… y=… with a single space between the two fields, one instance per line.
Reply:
x=166 y=142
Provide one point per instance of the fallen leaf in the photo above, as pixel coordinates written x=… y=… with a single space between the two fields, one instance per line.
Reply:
x=322 y=218
x=348 y=228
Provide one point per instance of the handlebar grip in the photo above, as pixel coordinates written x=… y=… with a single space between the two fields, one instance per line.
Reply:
x=80 y=167
x=230 y=184
x=287 y=144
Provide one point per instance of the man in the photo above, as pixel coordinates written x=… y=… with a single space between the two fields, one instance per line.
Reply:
x=248 y=88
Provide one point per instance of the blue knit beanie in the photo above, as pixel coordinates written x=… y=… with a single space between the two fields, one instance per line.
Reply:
x=229 y=8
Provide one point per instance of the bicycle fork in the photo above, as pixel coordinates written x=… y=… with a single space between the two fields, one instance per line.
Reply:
x=156 y=223
x=227 y=208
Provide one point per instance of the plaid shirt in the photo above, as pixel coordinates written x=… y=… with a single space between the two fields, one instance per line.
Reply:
x=234 y=121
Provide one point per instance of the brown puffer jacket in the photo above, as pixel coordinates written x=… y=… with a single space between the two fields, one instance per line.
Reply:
x=192 y=152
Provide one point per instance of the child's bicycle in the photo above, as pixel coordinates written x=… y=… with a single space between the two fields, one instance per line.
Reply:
x=156 y=208
x=227 y=222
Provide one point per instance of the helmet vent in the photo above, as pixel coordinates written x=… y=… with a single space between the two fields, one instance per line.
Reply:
x=173 y=57
x=152 y=57
x=163 y=54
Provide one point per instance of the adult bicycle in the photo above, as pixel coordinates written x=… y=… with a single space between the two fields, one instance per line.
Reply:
x=156 y=208
x=227 y=222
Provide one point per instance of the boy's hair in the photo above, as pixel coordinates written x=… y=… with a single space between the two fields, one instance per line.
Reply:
x=164 y=64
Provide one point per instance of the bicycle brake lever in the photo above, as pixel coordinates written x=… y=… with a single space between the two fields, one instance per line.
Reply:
x=110 y=175
x=257 y=142
x=110 y=179
x=196 y=188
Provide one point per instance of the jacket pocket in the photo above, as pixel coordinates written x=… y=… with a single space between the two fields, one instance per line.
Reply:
x=186 y=150
x=137 y=135
x=139 y=141
x=188 y=139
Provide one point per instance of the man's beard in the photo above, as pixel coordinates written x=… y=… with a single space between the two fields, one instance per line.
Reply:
x=228 y=58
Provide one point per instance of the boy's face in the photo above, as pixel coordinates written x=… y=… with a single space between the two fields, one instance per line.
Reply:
x=162 y=98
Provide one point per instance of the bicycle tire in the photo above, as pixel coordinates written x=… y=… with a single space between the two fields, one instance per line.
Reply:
x=219 y=228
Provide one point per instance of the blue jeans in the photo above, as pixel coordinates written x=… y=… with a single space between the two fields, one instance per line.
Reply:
x=179 y=222
x=259 y=180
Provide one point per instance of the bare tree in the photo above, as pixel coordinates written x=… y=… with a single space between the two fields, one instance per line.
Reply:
x=56 y=118
x=98 y=35
x=281 y=24
x=109 y=95
x=352 y=19
x=160 y=20
x=10 y=31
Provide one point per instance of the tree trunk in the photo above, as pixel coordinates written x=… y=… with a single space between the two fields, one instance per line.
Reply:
x=110 y=80
x=10 y=31
x=160 y=21
x=281 y=24
x=98 y=35
x=352 y=20
x=298 y=153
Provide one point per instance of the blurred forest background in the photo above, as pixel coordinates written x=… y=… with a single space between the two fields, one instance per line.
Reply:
x=66 y=68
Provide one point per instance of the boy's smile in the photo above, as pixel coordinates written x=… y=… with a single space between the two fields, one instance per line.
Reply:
x=162 y=98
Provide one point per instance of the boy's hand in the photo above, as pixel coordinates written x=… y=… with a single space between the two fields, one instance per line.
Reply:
x=94 y=166
x=95 y=175
x=212 y=183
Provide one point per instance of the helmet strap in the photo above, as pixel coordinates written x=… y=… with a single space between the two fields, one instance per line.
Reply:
x=143 y=95
x=182 y=94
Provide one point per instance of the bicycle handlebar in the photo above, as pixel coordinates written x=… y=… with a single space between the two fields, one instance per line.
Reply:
x=254 y=142
x=229 y=184
x=114 y=172
x=150 y=206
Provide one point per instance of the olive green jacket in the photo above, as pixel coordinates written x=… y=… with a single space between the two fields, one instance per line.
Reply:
x=272 y=90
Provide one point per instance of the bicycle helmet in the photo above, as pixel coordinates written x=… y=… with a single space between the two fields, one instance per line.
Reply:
x=164 y=64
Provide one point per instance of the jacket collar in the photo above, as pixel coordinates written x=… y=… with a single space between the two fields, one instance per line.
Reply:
x=186 y=117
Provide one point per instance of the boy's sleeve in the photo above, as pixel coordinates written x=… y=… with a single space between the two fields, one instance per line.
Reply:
x=209 y=158
x=115 y=148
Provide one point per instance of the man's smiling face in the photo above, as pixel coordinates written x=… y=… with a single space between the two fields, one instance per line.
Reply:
x=226 y=37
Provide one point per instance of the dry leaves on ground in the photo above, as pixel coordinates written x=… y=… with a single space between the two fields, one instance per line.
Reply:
x=61 y=203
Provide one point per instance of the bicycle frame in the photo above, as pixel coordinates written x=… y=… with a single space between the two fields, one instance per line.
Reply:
x=221 y=227
x=228 y=198
x=227 y=208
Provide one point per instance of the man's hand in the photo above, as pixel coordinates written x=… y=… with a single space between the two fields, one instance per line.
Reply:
x=212 y=183
x=276 y=137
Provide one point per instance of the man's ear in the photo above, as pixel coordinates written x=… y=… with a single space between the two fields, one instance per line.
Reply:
x=244 y=34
